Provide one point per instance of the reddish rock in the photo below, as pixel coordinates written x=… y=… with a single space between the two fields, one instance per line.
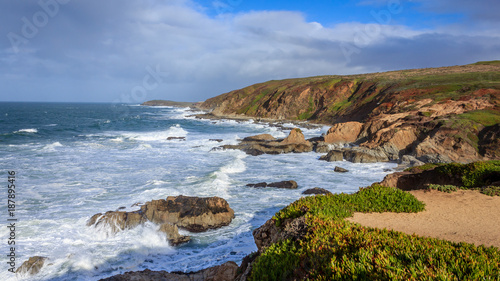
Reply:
x=343 y=132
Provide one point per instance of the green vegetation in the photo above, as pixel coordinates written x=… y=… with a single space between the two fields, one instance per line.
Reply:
x=310 y=110
x=483 y=117
x=491 y=190
x=334 y=249
x=493 y=62
x=444 y=188
x=476 y=174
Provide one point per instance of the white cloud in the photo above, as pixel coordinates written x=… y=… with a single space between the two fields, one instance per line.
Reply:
x=106 y=47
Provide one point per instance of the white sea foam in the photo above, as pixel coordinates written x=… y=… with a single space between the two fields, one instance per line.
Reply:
x=31 y=131
x=173 y=131
x=52 y=146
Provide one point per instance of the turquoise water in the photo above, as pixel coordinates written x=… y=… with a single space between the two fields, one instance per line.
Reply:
x=75 y=160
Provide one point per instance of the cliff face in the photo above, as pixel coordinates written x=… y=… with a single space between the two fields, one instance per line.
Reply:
x=450 y=111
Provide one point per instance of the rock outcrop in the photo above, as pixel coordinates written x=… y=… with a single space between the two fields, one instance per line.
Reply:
x=417 y=179
x=267 y=144
x=316 y=191
x=32 y=266
x=282 y=184
x=343 y=132
x=269 y=233
x=191 y=213
x=194 y=214
x=450 y=118
x=224 y=272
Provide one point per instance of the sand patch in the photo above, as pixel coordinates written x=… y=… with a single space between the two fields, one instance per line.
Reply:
x=462 y=216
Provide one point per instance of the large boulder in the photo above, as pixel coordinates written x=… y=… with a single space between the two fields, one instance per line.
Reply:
x=333 y=155
x=340 y=170
x=224 y=272
x=192 y=213
x=32 y=266
x=365 y=155
x=343 y=132
x=316 y=191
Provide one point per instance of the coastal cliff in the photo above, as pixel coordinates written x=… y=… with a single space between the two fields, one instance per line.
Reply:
x=438 y=114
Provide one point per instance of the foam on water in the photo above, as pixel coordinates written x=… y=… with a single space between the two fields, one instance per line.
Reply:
x=65 y=177
x=31 y=131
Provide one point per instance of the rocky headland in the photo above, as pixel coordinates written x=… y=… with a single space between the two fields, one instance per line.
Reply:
x=448 y=114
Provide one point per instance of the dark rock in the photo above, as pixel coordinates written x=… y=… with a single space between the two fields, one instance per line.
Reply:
x=417 y=179
x=257 y=185
x=224 y=272
x=284 y=184
x=269 y=233
x=340 y=170
x=489 y=142
x=176 y=138
x=316 y=190
x=192 y=213
x=32 y=266
x=333 y=155
x=217 y=140
x=173 y=236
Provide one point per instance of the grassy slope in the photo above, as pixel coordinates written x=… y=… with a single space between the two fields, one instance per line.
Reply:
x=328 y=99
x=335 y=249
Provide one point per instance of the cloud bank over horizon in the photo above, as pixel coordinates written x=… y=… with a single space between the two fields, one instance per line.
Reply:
x=132 y=51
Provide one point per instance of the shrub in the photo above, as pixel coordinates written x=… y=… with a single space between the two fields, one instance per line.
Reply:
x=335 y=249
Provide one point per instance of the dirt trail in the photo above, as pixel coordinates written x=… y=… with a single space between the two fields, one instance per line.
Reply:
x=462 y=216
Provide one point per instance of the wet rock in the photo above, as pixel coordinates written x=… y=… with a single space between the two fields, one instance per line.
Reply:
x=434 y=158
x=316 y=191
x=173 y=236
x=333 y=155
x=340 y=170
x=32 y=266
x=257 y=185
x=217 y=140
x=284 y=184
x=192 y=213
x=117 y=220
x=224 y=272
x=177 y=138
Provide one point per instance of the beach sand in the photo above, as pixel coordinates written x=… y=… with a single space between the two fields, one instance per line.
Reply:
x=462 y=216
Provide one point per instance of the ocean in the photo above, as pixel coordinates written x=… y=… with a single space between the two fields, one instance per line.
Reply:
x=73 y=160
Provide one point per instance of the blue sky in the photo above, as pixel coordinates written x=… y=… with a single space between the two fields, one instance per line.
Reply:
x=191 y=50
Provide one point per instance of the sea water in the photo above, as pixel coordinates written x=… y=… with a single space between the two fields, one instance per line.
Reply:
x=75 y=160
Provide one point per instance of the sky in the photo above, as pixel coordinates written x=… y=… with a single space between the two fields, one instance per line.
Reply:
x=190 y=50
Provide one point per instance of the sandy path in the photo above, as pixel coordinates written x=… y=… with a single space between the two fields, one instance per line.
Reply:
x=462 y=216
